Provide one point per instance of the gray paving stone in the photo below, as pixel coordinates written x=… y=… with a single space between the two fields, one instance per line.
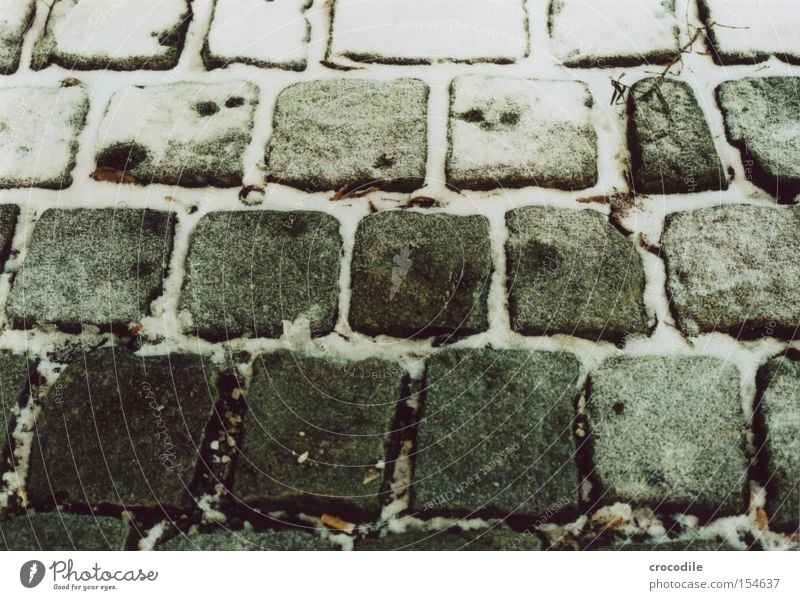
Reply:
x=188 y=134
x=314 y=433
x=15 y=19
x=350 y=132
x=13 y=384
x=780 y=384
x=117 y=429
x=495 y=437
x=530 y=132
x=136 y=34
x=727 y=270
x=92 y=266
x=9 y=214
x=247 y=272
x=39 y=127
x=667 y=432
x=229 y=540
x=671 y=145
x=761 y=119
x=60 y=531
x=667 y=545
x=483 y=540
x=418 y=275
x=571 y=272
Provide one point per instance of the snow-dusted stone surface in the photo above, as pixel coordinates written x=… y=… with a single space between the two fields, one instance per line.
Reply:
x=421 y=31
x=134 y=428
x=229 y=540
x=744 y=31
x=113 y=34
x=728 y=270
x=87 y=266
x=188 y=134
x=9 y=213
x=570 y=271
x=762 y=118
x=420 y=275
x=15 y=18
x=13 y=385
x=38 y=134
x=264 y=33
x=317 y=435
x=496 y=437
x=350 y=132
x=780 y=437
x=613 y=33
x=667 y=545
x=530 y=132
x=496 y=538
x=672 y=150
x=62 y=531
x=666 y=432
x=247 y=272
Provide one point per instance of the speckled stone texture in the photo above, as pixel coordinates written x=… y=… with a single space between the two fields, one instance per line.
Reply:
x=60 y=531
x=92 y=266
x=762 y=119
x=667 y=432
x=15 y=19
x=728 y=270
x=236 y=540
x=350 y=132
x=571 y=272
x=779 y=381
x=247 y=272
x=671 y=145
x=495 y=437
x=13 y=385
x=9 y=214
x=530 y=132
x=133 y=428
x=496 y=538
x=419 y=275
x=187 y=134
x=317 y=434
x=667 y=545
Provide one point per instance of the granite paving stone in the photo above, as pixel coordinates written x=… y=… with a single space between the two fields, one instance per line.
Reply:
x=247 y=272
x=667 y=432
x=15 y=19
x=9 y=214
x=61 y=531
x=496 y=538
x=419 y=275
x=13 y=385
x=236 y=540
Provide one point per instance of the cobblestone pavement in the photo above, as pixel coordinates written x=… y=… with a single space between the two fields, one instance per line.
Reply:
x=412 y=275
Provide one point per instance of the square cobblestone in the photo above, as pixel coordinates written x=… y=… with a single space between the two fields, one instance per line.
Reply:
x=255 y=32
x=13 y=385
x=779 y=381
x=92 y=266
x=671 y=145
x=247 y=272
x=350 y=132
x=231 y=540
x=530 y=132
x=667 y=432
x=136 y=34
x=317 y=433
x=606 y=33
x=495 y=437
x=15 y=19
x=62 y=532
x=496 y=538
x=188 y=134
x=727 y=270
x=423 y=32
x=419 y=275
x=572 y=272
x=39 y=127
x=761 y=117
x=117 y=429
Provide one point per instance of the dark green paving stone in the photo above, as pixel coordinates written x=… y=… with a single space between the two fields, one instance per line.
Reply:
x=350 y=132
x=779 y=381
x=729 y=269
x=122 y=430
x=761 y=116
x=13 y=384
x=666 y=545
x=92 y=266
x=314 y=433
x=284 y=540
x=9 y=213
x=14 y=22
x=63 y=532
x=571 y=272
x=247 y=272
x=418 y=275
x=670 y=142
x=667 y=432
x=495 y=435
x=453 y=539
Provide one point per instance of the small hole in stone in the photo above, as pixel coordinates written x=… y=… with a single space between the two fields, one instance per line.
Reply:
x=509 y=118
x=474 y=115
x=383 y=161
x=234 y=101
x=618 y=407
x=122 y=157
x=206 y=108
